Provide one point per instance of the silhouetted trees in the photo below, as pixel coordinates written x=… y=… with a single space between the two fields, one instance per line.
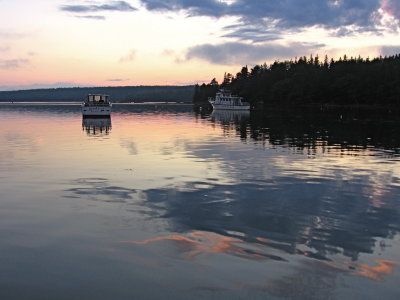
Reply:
x=202 y=92
x=347 y=81
x=117 y=94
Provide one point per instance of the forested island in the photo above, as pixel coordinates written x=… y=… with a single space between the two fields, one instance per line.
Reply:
x=304 y=81
x=117 y=94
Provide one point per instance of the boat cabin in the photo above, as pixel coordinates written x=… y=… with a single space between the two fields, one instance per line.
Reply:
x=97 y=99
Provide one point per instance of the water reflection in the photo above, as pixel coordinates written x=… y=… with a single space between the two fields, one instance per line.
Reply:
x=201 y=243
x=99 y=189
x=96 y=126
x=291 y=216
x=288 y=204
x=227 y=117
x=320 y=208
x=377 y=273
x=317 y=129
x=49 y=109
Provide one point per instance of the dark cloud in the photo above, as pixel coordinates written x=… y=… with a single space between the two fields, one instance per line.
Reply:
x=346 y=31
x=242 y=53
x=10 y=64
x=110 y=6
x=260 y=32
x=390 y=50
x=193 y=7
x=263 y=20
x=289 y=13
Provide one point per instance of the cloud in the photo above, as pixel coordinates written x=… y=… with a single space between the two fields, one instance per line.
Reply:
x=390 y=50
x=266 y=20
x=92 y=17
x=289 y=13
x=12 y=64
x=193 y=7
x=118 y=79
x=260 y=32
x=241 y=53
x=392 y=7
x=130 y=57
x=110 y=6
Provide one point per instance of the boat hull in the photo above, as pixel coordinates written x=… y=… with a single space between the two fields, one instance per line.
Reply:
x=230 y=107
x=96 y=110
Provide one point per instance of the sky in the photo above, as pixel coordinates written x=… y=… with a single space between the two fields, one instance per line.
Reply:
x=66 y=43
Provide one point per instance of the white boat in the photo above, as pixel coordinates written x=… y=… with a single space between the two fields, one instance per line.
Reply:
x=96 y=105
x=225 y=100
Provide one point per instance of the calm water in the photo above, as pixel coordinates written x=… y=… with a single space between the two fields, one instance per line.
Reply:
x=164 y=203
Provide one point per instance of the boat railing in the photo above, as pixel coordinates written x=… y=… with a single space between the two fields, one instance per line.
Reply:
x=92 y=103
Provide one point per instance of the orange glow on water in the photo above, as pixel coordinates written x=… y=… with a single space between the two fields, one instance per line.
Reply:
x=201 y=243
x=385 y=267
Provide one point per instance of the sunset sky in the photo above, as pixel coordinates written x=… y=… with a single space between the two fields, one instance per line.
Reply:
x=63 y=43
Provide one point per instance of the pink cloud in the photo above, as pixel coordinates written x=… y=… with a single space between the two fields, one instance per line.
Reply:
x=392 y=7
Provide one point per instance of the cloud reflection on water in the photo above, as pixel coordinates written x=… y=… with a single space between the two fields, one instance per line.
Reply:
x=385 y=267
x=317 y=217
x=200 y=243
x=98 y=189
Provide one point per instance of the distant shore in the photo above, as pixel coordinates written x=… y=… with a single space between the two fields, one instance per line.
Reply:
x=122 y=94
x=79 y=103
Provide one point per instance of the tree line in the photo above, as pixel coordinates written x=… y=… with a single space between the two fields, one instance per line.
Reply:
x=117 y=94
x=310 y=80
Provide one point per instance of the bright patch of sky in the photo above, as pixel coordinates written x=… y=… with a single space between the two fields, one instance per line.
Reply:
x=149 y=42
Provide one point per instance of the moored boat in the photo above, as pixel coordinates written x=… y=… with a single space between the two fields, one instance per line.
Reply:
x=225 y=100
x=96 y=105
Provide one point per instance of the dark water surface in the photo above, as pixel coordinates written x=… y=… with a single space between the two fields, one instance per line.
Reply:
x=160 y=202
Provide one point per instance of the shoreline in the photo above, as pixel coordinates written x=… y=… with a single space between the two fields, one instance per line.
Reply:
x=79 y=103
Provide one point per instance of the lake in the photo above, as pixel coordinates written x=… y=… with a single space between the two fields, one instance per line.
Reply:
x=162 y=202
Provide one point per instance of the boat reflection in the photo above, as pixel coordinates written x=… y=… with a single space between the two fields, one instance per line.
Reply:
x=232 y=121
x=96 y=126
x=226 y=117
